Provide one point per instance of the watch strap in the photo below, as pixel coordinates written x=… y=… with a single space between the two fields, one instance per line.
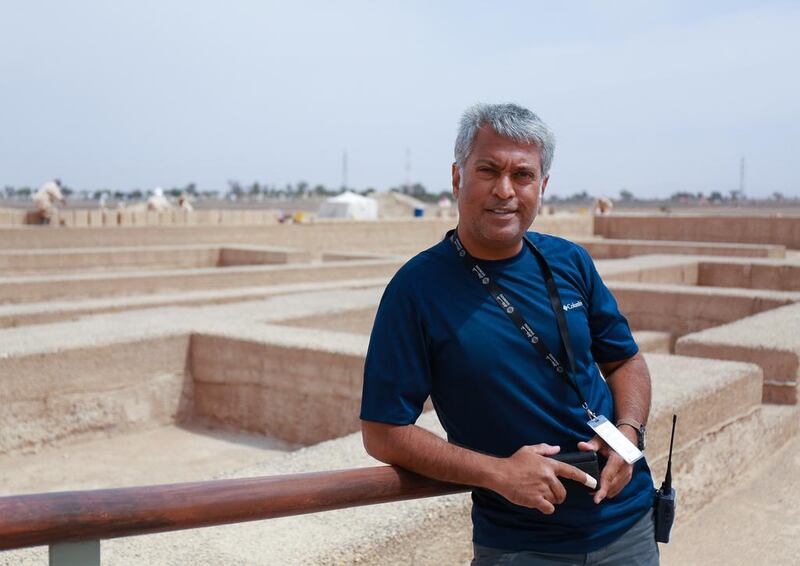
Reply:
x=637 y=426
x=630 y=422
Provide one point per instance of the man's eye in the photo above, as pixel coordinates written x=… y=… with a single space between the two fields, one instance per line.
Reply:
x=525 y=175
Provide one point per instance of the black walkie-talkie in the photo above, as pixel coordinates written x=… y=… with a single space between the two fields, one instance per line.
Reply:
x=665 y=498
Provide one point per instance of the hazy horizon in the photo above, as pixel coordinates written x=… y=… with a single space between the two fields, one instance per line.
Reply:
x=652 y=98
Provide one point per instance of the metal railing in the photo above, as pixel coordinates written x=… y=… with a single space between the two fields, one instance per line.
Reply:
x=74 y=522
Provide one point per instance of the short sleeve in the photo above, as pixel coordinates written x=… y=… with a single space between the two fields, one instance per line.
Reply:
x=397 y=376
x=612 y=340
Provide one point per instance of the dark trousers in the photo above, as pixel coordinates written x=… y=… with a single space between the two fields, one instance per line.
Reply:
x=637 y=547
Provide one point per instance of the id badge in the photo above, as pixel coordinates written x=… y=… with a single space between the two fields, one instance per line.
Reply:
x=617 y=441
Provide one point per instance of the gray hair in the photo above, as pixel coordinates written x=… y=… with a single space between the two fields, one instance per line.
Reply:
x=510 y=121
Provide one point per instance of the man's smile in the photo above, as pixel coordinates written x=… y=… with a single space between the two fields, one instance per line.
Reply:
x=502 y=212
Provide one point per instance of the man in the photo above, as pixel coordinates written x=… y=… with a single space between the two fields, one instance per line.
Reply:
x=603 y=206
x=440 y=332
x=46 y=197
x=184 y=203
x=158 y=202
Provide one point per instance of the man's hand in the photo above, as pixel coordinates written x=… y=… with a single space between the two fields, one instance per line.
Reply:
x=616 y=473
x=629 y=382
x=529 y=478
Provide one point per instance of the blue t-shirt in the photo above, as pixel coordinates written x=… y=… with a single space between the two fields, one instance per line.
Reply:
x=438 y=332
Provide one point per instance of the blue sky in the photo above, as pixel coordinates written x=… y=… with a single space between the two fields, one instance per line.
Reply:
x=654 y=97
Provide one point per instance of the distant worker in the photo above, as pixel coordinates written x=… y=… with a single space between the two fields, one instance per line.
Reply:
x=45 y=199
x=445 y=207
x=603 y=206
x=158 y=202
x=103 y=200
x=184 y=203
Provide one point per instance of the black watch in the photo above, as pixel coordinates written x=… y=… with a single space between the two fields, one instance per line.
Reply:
x=640 y=429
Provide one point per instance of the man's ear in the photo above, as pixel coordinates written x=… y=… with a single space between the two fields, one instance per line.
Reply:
x=456 y=174
x=544 y=185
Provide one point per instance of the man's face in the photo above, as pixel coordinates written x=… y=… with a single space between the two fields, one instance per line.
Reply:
x=498 y=194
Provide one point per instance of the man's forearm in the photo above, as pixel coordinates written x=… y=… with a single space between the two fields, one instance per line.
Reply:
x=630 y=388
x=423 y=452
x=527 y=477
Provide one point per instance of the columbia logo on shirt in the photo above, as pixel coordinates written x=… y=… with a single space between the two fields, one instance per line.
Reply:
x=574 y=305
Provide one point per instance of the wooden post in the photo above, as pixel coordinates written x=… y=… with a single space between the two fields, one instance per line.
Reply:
x=86 y=553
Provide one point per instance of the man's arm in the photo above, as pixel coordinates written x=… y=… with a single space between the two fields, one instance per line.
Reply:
x=526 y=478
x=629 y=382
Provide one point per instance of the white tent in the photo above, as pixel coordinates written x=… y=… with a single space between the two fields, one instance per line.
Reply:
x=349 y=205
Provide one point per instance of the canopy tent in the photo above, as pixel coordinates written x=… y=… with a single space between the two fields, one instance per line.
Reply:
x=349 y=205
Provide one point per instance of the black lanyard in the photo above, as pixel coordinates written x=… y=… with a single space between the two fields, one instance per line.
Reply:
x=524 y=327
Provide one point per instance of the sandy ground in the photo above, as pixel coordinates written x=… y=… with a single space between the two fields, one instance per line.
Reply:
x=161 y=455
x=757 y=521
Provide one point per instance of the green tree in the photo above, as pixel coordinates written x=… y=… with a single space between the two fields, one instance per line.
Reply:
x=418 y=190
x=681 y=196
x=235 y=189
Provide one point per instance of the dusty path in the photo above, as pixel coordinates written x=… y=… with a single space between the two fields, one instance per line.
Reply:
x=756 y=521
x=165 y=454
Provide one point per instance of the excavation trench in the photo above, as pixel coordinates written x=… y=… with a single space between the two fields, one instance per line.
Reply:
x=179 y=408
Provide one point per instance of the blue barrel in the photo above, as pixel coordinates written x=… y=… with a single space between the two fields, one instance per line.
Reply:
x=419 y=212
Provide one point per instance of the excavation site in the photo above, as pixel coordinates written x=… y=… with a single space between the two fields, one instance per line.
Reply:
x=145 y=355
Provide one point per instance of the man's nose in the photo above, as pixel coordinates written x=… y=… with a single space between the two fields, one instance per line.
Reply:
x=504 y=188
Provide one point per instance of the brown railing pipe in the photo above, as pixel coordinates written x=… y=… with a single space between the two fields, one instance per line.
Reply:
x=50 y=518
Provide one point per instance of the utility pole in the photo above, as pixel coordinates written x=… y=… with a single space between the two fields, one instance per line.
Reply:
x=344 y=170
x=408 y=171
x=741 y=176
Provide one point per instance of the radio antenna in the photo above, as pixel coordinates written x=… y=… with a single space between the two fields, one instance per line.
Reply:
x=667 y=485
x=666 y=498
